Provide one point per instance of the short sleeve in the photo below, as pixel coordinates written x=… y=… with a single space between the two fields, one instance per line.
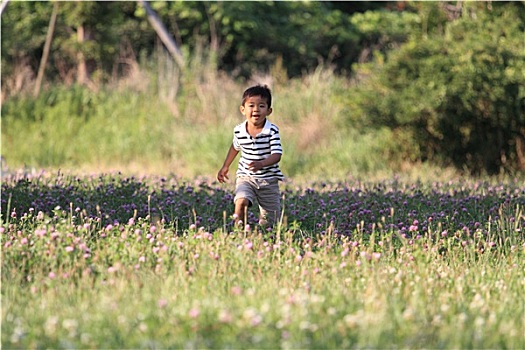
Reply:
x=275 y=141
x=235 y=142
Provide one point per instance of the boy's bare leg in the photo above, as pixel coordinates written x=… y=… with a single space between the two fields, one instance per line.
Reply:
x=241 y=205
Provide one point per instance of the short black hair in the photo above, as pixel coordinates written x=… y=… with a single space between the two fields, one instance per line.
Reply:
x=258 y=90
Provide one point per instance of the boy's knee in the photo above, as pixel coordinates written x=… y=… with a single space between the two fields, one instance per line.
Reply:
x=242 y=203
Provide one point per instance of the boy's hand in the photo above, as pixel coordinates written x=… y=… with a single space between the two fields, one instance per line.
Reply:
x=222 y=175
x=255 y=166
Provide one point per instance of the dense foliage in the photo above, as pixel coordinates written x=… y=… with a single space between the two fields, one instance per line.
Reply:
x=458 y=94
x=115 y=33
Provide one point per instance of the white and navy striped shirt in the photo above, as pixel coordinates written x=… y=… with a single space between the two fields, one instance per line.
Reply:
x=257 y=148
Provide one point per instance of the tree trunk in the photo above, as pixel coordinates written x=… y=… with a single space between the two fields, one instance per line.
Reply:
x=84 y=71
x=163 y=34
x=3 y=5
x=520 y=149
x=81 y=59
x=47 y=47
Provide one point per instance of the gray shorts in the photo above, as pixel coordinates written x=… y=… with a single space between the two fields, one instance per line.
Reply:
x=265 y=192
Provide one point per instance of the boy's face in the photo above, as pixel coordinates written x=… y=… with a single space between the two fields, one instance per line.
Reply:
x=256 y=109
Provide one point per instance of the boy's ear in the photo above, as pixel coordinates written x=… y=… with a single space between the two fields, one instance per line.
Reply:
x=241 y=108
x=270 y=110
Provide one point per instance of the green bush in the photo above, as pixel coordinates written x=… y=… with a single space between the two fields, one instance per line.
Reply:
x=460 y=95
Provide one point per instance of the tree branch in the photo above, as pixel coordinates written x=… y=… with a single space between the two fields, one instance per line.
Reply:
x=163 y=34
x=47 y=47
x=2 y=6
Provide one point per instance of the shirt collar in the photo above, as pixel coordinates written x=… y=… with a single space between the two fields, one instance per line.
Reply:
x=266 y=128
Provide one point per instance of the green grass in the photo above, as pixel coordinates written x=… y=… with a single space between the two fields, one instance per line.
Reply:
x=154 y=123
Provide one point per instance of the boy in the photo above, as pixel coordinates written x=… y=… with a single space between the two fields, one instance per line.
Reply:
x=258 y=173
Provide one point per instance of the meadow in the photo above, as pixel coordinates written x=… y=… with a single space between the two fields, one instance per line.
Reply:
x=135 y=247
x=120 y=261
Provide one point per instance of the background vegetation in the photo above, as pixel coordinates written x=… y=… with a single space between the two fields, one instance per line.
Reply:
x=360 y=87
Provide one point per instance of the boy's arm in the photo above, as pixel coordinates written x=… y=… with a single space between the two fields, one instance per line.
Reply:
x=271 y=160
x=222 y=175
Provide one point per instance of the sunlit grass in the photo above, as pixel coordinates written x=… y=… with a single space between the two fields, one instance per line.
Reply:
x=163 y=121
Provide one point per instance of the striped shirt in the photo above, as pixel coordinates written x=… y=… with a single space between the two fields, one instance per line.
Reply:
x=257 y=148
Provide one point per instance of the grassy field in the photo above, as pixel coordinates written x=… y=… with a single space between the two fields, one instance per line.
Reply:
x=117 y=261
x=136 y=247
